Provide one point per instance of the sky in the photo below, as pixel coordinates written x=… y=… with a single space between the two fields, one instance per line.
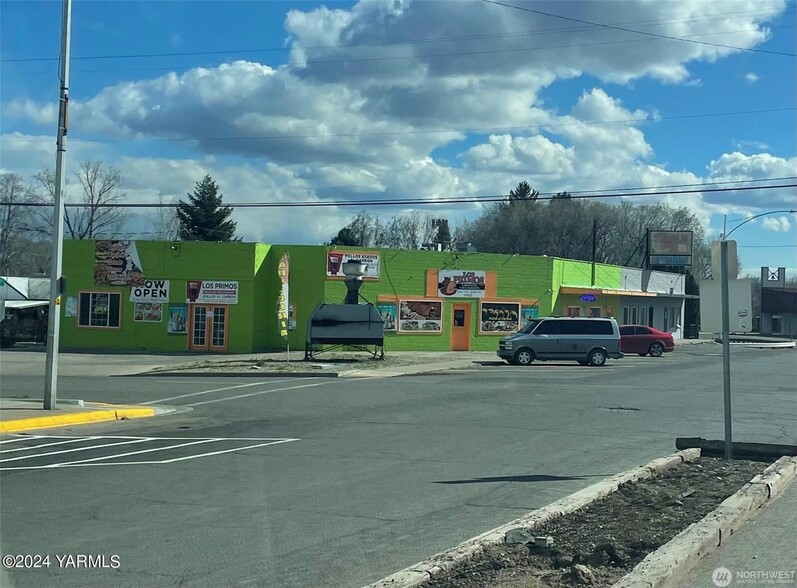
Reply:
x=320 y=102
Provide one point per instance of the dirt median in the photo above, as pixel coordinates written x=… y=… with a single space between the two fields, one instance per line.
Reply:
x=600 y=543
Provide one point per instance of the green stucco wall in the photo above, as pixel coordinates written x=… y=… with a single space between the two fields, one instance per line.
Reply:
x=187 y=260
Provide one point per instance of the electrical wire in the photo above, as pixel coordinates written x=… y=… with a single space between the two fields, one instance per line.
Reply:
x=589 y=28
x=414 y=201
x=638 y=32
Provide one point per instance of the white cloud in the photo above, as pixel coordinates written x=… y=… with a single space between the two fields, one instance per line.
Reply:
x=742 y=145
x=751 y=77
x=779 y=224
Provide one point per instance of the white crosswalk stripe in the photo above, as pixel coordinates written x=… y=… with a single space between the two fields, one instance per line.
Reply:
x=33 y=452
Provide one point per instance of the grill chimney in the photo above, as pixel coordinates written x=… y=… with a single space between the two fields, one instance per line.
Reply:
x=354 y=271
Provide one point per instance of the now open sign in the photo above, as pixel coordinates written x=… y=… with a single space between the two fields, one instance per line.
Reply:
x=150 y=291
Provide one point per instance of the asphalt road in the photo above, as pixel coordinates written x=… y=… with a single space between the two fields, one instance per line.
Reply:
x=338 y=482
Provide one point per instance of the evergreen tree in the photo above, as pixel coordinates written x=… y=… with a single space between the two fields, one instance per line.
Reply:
x=203 y=217
x=443 y=236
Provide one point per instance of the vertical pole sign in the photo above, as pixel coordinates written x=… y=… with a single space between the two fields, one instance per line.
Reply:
x=284 y=300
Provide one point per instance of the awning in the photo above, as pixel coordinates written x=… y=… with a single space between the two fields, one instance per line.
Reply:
x=596 y=291
x=26 y=303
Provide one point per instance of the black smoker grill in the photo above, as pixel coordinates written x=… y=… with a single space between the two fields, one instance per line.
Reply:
x=345 y=325
x=349 y=324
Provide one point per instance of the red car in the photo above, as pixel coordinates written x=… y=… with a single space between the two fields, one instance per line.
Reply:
x=645 y=340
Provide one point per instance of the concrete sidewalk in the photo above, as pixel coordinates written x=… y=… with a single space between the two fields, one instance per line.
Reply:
x=17 y=416
x=763 y=551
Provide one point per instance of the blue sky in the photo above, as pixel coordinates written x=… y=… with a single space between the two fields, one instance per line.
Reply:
x=347 y=96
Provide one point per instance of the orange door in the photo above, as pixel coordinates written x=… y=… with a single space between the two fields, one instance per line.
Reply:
x=460 y=327
x=207 y=327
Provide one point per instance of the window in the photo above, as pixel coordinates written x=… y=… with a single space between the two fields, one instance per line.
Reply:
x=625 y=331
x=459 y=318
x=547 y=328
x=634 y=315
x=673 y=317
x=595 y=312
x=573 y=311
x=598 y=328
x=99 y=309
x=777 y=324
x=626 y=315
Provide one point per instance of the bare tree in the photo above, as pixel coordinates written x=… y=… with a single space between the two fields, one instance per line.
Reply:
x=13 y=219
x=408 y=231
x=94 y=219
x=164 y=221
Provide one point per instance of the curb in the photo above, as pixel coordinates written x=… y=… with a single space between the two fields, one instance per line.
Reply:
x=77 y=418
x=443 y=563
x=352 y=373
x=668 y=565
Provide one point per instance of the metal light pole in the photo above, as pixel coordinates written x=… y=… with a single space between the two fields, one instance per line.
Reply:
x=54 y=317
x=726 y=344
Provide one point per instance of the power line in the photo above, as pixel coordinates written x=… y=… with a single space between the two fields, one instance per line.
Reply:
x=422 y=132
x=638 y=32
x=764 y=246
x=405 y=201
x=589 y=28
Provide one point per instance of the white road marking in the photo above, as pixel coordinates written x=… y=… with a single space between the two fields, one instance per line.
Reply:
x=135 y=452
x=107 y=459
x=219 y=390
x=89 y=448
x=74 y=440
x=259 y=393
x=21 y=438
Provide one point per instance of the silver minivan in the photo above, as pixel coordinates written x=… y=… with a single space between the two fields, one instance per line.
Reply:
x=589 y=341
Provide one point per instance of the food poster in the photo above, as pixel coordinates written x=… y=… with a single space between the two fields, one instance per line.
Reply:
x=70 y=307
x=499 y=317
x=527 y=313
x=178 y=319
x=421 y=316
x=148 y=312
x=387 y=310
x=116 y=263
x=336 y=259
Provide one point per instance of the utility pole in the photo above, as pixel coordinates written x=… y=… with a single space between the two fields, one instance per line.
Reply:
x=594 y=247
x=726 y=348
x=54 y=317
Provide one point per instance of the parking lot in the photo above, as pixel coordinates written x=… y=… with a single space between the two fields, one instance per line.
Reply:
x=338 y=482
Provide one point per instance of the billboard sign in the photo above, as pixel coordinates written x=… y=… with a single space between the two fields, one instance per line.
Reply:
x=773 y=277
x=150 y=291
x=116 y=263
x=461 y=283
x=670 y=247
x=336 y=259
x=211 y=292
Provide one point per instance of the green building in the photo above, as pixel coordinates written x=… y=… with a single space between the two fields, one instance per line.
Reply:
x=224 y=297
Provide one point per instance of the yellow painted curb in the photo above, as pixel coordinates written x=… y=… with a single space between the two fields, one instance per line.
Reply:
x=75 y=418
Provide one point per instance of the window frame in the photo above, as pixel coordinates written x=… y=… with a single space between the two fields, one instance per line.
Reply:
x=88 y=324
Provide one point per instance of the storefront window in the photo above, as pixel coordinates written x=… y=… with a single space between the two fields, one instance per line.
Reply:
x=99 y=309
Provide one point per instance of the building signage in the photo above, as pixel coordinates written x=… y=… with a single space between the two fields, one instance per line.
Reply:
x=773 y=277
x=211 y=292
x=420 y=316
x=461 y=284
x=588 y=298
x=150 y=291
x=283 y=300
x=148 y=312
x=336 y=259
x=670 y=247
x=387 y=310
x=499 y=317
x=116 y=263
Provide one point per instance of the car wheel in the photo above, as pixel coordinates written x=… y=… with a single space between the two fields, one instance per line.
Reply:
x=524 y=357
x=656 y=349
x=597 y=357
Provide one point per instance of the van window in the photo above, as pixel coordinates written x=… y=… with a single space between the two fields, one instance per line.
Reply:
x=547 y=328
x=598 y=328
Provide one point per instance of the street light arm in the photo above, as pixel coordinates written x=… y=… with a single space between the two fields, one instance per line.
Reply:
x=724 y=237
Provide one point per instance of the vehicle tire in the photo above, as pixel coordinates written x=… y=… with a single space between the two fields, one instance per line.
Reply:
x=597 y=357
x=583 y=362
x=524 y=357
x=7 y=342
x=656 y=349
